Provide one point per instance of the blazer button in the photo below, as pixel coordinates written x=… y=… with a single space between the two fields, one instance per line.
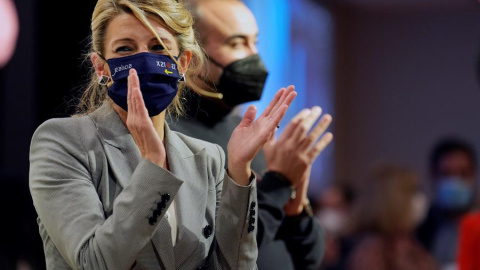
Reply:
x=156 y=213
x=207 y=231
x=165 y=197
x=252 y=221
x=252 y=205
x=252 y=212
x=152 y=220
x=251 y=228
x=161 y=206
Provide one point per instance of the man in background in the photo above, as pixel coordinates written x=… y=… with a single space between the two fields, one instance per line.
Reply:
x=468 y=257
x=288 y=235
x=453 y=167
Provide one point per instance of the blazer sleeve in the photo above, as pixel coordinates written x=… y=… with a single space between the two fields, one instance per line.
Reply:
x=235 y=245
x=69 y=207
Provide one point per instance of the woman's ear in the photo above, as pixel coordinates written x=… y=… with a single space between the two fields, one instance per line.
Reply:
x=184 y=61
x=99 y=65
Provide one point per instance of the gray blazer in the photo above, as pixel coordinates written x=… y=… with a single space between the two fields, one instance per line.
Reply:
x=100 y=205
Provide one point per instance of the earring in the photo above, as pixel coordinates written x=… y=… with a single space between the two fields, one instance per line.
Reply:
x=183 y=78
x=104 y=80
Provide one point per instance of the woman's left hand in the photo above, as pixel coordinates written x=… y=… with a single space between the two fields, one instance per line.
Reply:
x=250 y=135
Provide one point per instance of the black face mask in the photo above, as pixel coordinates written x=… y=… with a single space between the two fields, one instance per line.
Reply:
x=243 y=80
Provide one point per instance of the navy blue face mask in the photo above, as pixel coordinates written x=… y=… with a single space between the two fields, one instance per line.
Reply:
x=158 y=75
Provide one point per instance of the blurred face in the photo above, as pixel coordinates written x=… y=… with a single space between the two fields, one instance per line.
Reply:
x=230 y=33
x=457 y=164
x=456 y=183
x=333 y=212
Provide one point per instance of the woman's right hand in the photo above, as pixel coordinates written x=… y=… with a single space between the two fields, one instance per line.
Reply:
x=141 y=126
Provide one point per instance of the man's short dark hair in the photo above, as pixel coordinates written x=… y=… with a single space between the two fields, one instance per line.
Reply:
x=449 y=145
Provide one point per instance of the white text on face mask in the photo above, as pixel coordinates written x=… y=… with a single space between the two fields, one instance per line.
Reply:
x=167 y=65
x=120 y=68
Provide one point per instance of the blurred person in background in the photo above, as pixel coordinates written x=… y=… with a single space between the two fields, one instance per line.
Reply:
x=288 y=235
x=468 y=257
x=234 y=72
x=333 y=213
x=453 y=166
x=390 y=204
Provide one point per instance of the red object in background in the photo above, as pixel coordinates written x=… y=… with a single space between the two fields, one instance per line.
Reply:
x=469 y=242
x=8 y=30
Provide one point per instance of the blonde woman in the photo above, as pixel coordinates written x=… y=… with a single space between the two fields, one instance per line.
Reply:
x=114 y=187
x=389 y=207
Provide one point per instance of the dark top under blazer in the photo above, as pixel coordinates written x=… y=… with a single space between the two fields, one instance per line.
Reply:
x=296 y=243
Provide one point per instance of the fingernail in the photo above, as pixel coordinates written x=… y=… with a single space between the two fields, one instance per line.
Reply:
x=316 y=110
x=132 y=71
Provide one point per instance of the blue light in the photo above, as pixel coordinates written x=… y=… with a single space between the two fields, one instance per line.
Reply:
x=296 y=44
x=273 y=19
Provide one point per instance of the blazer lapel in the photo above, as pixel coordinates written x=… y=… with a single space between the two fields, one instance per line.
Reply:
x=190 y=201
x=123 y=157
x=122 y=153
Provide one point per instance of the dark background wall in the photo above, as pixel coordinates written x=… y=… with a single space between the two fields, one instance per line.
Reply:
x=18 y=107
x=406 y=76
x=44 y=72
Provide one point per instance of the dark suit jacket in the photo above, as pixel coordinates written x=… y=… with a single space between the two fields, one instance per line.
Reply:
x=283 y=242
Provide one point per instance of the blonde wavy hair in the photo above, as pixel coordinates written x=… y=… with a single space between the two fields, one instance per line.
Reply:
x=174 y=15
